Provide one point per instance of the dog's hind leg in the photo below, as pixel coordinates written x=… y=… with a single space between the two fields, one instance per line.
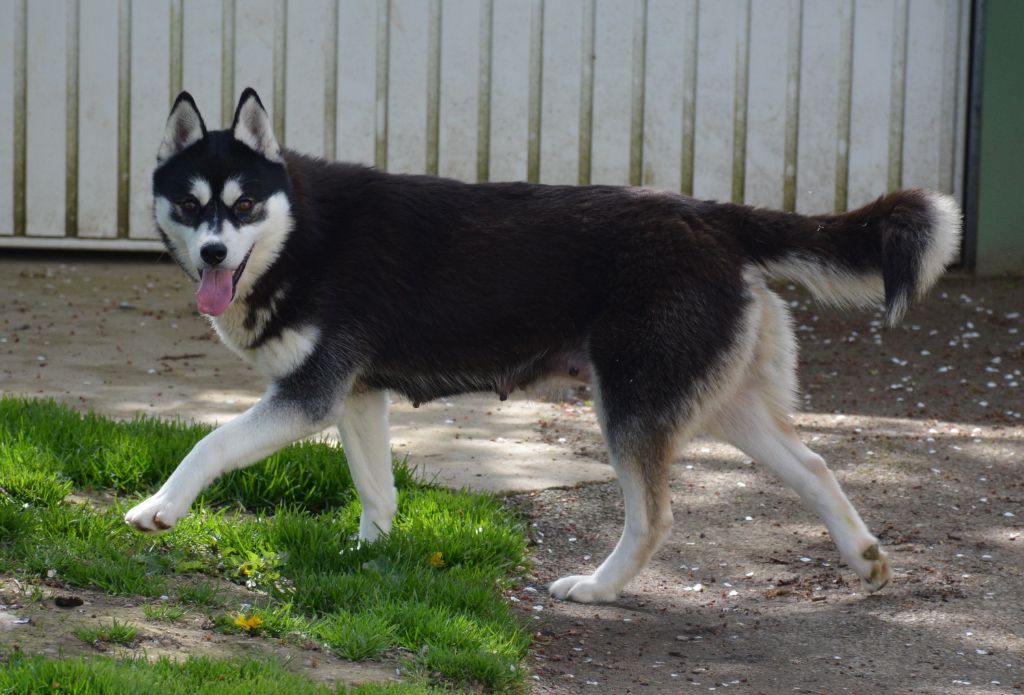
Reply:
x=364 y=435
x=659 y=354
x=756 y=420
x=749 y=424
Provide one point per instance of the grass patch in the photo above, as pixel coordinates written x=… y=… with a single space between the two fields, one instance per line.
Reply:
x=194 y=676
x=355 y=636
x=285 y=527
x=164 y=612
x=203 y=594
x=115 y=633
x=135 y=457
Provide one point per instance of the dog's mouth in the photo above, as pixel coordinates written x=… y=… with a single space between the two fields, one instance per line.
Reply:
x=217 y=288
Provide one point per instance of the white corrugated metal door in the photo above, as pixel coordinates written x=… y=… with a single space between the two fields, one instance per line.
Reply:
x=809 y=105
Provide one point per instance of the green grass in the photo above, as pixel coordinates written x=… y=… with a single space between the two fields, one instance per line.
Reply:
x=203 y=594
x=115 y=633
x=195 y=676
x=285 y=527
x=164 y=612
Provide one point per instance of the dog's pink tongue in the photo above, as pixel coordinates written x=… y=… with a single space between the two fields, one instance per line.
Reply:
x=214 y=293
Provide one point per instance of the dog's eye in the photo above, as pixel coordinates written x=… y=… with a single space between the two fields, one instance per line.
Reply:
x=243 y=205
x=189 y=205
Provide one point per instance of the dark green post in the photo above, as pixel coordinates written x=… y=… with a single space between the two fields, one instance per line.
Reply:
x=1000 y=240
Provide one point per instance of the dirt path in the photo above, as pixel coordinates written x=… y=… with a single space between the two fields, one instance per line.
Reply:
x=50 y=630
x=922 y=425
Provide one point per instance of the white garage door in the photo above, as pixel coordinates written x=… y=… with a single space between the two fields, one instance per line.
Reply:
x=812 y=105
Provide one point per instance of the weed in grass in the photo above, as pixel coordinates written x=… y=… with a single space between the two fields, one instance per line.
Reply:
x=250 y=624
x=22 y=480
x=164 y=612
x=202 y=594
x=273 y=621
x=355 y=637
x=28 y=593
x=466 y=667
x=115 y=633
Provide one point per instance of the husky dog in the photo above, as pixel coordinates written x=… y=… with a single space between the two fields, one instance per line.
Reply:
x=341 y=283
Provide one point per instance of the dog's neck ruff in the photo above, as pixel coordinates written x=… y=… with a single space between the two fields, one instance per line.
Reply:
x=242 y=323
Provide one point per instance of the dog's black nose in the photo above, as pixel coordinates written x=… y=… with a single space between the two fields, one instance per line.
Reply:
x=214 y=253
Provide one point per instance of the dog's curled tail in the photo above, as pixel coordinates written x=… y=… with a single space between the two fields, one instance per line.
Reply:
x=893 y=249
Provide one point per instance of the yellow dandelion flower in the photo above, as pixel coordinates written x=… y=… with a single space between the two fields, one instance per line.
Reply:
x=249 y=624
x=437 y=559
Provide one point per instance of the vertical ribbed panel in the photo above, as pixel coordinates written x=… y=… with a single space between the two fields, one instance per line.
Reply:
x=177 y=48
x=636 y=115
x=433 y=86
x=845 y=87
x=280 y=66
x=330 y=58
x=71 y=121
x=124 y=115
x=380 y=156
x=739 y=123
x=483 y=137
x=898 y=82
x=811 y=106
x=536 y=95
x=227 y=65
x=9 y=44
x=20 y=119
x=796 y=16
x=587 y=91
x=97 y=125
x=689 y=149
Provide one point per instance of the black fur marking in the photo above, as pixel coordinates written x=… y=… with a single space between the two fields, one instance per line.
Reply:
x=431 y=287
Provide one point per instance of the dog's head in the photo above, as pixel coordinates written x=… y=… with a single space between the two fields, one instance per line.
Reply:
x=221 y=199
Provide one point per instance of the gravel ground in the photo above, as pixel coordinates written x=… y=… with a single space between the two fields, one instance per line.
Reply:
x=922 y=425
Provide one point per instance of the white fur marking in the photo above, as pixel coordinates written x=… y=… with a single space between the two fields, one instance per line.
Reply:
x=231 y=192
x=364 y=436
x=830 y=284
x=200 y=188
x=253 y=129
x=943 y=243
x=274 y=358
x=184 y=128
x=266 y=239
x=253 y=435
x=179 y=235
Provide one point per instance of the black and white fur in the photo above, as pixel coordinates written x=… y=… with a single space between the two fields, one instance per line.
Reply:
x=351 y=282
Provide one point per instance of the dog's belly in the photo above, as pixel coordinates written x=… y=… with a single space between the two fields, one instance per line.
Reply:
x=422 y=385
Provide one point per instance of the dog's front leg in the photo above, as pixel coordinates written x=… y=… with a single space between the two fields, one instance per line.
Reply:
x=258 y=432
x=364 y=435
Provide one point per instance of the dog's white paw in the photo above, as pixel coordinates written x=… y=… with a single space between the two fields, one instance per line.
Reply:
x=582 y=588
x=158 y=513
x=873 y=568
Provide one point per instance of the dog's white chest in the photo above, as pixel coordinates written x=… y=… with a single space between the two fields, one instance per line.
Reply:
x=275 y=357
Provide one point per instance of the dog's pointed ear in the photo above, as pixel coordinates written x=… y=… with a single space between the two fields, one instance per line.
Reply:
x=252 y=126
x=184 y=128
